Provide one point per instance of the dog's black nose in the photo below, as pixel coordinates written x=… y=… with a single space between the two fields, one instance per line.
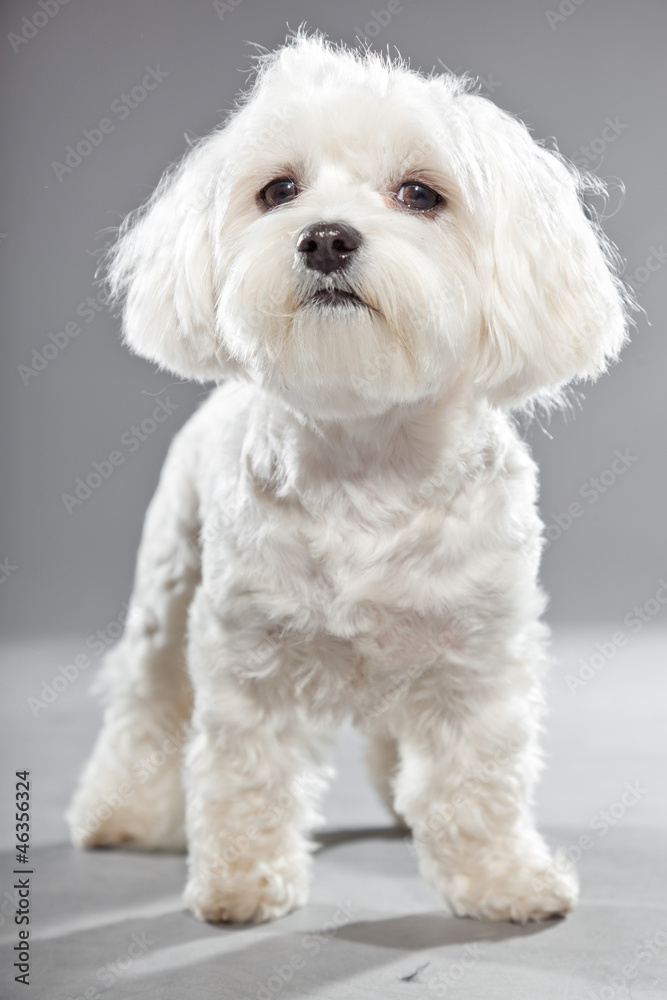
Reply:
x=327 y=246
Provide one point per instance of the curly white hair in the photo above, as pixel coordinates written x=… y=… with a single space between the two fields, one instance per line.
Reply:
x=379 y=267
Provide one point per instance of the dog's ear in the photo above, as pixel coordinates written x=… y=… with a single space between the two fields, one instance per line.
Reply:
x=162 y=270
x=553 y=308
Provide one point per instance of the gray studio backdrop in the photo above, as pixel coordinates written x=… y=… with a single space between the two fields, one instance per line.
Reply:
x=128 y=83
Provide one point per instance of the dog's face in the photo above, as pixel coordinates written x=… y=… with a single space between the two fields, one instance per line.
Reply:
x=360 y=236
x=347 y=267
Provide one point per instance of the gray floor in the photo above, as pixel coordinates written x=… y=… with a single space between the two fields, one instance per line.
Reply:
x=393 y=936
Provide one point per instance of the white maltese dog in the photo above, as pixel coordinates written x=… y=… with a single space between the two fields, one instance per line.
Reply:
x=378 y=267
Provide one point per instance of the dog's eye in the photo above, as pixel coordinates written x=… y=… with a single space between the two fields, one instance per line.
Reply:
x=418 y=197
x=279 y=191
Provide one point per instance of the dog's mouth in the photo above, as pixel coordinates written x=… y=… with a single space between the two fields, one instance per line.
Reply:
x=336 y=297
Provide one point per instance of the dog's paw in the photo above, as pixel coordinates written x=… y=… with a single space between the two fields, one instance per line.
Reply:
x=525 y=890
x=264 y=893
x=88 y=833
x=154 y=819
x=125 y=828
x=519 y=887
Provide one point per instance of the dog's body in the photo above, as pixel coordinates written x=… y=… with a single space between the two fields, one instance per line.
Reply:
x=349 y=526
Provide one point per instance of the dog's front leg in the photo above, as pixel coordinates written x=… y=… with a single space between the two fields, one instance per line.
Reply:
x=252 y=780
x=464 y=786
x=130 y=792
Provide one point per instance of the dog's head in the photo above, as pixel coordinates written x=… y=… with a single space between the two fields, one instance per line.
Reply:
x=358 y=236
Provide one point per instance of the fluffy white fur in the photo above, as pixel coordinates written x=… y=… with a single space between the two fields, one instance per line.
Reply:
x=348 y=524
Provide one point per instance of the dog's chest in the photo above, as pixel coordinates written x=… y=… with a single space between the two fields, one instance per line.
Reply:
x=362 y=568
